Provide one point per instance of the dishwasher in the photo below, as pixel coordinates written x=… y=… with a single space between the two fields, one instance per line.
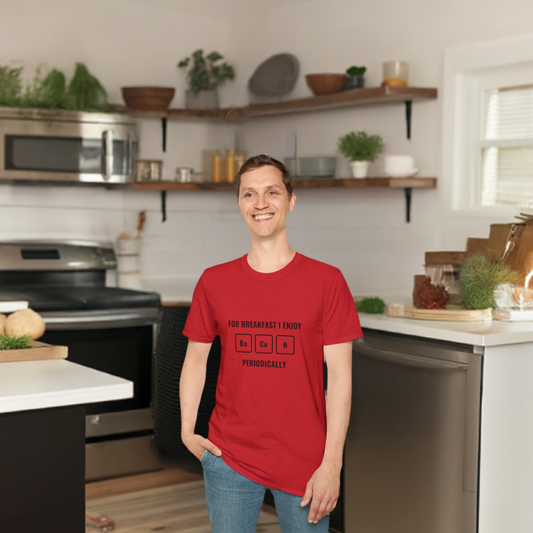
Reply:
x=411 y=454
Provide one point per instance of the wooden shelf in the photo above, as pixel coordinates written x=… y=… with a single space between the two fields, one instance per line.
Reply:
x=352 y=97
x=407 y=184
x=314 y=183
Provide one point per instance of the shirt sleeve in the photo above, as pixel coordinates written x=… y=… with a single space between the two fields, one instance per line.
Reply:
x=341 y=321
x=200 y=326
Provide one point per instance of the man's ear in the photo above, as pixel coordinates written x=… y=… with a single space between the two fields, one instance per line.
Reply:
x=292 y=201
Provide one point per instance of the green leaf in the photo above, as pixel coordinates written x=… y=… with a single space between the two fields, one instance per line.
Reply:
x=8 y=342
x=370 y=305
x=10 y=86
x=356 y=71
x=85 y=93
x=360 y=146
x=478 y=277
x=203 y=74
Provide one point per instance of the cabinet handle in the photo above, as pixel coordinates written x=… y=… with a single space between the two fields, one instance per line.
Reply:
x=404 y=359
x=107 y=154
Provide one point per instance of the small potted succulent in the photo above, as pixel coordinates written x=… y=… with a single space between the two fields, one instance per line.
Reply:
x=360 y=149
x=205 y=74
x=355 y=77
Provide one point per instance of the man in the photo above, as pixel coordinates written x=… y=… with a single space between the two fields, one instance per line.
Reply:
x=278 y=314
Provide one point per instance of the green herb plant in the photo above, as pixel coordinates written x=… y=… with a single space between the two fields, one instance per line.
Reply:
x=478 y=277
x=84 y=93
x=370 y=305
x=10 y=86
x=8 y=342
x=206 y=73
x=360 y=146
x=45 y=92
x=356 y=71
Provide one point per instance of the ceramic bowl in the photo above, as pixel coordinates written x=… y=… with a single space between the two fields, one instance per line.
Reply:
x=148 y=98
x=326 y=83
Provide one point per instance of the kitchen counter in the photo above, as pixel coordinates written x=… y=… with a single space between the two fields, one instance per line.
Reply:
x=482 y=333
x=28 y=385
x=42 y=452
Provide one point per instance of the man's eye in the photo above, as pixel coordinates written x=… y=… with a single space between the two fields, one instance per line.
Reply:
x=272 y=192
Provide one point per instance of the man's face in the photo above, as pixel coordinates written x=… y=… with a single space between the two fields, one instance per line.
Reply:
x=264 y=202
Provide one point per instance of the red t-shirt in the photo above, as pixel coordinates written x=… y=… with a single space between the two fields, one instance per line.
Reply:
x=270 y=414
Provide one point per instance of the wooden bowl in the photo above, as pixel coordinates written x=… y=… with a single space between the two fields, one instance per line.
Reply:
x=326 y=83
x=148 y=98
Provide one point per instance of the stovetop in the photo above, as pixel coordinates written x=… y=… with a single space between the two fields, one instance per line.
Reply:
x=65 y=277
x=79 y=298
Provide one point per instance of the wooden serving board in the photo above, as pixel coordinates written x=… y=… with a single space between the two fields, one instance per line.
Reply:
x=452 y=315
x=39 y=351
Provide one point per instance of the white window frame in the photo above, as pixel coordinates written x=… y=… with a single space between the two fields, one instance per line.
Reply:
x=468 y=71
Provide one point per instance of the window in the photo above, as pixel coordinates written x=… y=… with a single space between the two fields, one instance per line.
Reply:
x=488 y=126
x=507 y=146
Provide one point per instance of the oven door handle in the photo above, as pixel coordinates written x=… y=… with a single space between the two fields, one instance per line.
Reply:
x=107 y=150
x=120 y=319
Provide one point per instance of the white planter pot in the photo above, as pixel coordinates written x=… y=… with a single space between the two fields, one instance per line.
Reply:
x=359 y=168
x=201 y=100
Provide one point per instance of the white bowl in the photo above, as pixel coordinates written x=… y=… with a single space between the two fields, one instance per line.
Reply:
x=401 y=173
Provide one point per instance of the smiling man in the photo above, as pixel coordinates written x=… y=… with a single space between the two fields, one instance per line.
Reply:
x=279 y=314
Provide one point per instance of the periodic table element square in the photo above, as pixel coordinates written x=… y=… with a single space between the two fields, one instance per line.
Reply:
x=243 y=343
x=264 y=344
x=285 y=344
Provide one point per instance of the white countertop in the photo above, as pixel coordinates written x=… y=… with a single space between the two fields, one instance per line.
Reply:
x=482 y=333
x=29 y=385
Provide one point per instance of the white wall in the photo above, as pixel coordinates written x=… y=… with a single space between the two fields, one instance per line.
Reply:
x=140 y=41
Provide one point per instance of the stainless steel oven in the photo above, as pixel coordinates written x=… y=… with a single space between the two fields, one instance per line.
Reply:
x=66 y=146
x=110 y=329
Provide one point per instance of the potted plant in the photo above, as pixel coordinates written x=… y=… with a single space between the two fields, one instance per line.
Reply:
x=355 y=77
x=205 y=74
x=478 y=279
x=360 y=149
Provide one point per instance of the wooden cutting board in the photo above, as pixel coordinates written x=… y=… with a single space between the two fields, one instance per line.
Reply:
x=39 y=351
x=452 y=315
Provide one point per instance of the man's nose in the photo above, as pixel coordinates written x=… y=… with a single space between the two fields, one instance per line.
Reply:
x=261 y=201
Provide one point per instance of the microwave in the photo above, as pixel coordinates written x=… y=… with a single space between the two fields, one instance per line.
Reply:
x=67 y=146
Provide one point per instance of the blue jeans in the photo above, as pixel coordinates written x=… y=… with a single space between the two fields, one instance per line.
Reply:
x=234 y=502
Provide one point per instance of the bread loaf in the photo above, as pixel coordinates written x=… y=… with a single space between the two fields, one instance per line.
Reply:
x=24 y=322
x=2 y=321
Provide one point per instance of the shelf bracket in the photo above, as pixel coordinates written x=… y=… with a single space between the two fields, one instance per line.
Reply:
x=163 y=206
x=408 y=192
x=408 y=112
x=164 y=133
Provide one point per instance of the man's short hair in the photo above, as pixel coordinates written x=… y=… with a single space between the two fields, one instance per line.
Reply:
x=264 y=160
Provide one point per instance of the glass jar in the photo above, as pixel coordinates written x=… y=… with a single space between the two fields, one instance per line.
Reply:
x=395 y=73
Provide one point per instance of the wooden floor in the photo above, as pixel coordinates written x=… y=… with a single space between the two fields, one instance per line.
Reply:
x=171 y=508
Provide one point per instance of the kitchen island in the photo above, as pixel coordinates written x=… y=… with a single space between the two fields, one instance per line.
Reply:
x=42 y=445
x=505 y=412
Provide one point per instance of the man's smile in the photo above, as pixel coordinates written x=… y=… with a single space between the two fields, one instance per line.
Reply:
x=264 y=216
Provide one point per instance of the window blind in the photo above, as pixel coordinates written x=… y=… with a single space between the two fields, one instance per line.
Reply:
x=507 y=146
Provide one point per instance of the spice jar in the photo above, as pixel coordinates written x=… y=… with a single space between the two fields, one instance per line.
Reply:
x=240 y=158
x=217 y=166
x=395 y=73
x=230 y=165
